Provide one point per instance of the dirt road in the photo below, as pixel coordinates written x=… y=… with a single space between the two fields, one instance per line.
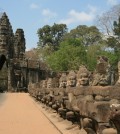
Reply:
x=20 y=115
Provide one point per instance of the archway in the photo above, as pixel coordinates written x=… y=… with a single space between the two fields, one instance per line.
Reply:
x=2 y=60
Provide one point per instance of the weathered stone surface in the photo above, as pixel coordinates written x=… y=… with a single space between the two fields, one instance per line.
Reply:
x=82 y=76
x=109 y=131
x=71 y=79
x=63 y=81
x=118 y=81
x=102 y=76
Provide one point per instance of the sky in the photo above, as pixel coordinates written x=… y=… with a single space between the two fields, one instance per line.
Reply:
x=30 y=15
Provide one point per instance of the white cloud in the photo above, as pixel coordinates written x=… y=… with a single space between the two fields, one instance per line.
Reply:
x=112 y=2
x=34 y=6
x=48 y=13
x=80 y=17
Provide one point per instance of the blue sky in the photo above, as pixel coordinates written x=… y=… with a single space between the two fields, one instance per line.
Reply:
x=33 y=14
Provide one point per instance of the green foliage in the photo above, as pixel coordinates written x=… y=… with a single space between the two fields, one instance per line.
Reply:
x=92 y=53
x=100 y=50
x=64 y=51
x=69 y=56
x=114 y=41
x=51 y=35
x=113 y=59
x=88 y=35
x=117 y=27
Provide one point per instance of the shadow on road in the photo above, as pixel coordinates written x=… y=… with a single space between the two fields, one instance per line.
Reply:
x=3 y=97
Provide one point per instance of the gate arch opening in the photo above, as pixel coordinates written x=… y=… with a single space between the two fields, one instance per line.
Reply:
x=2 y=60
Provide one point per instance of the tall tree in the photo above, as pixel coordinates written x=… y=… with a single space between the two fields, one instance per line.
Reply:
x=71 y=55
x=51 y=35
x=114 y=41
x=105 y=21
x=88 y=35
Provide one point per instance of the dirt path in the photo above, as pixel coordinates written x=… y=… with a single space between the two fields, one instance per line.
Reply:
x=20 y=115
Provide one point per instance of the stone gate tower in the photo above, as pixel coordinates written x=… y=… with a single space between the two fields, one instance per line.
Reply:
x=18 y=70
x=12 y=46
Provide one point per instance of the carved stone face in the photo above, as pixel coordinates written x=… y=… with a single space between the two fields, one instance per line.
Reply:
x=63 y=84
x=44 y=84
x=3 y=40
x=83 y=80
x=49 y=83
x=3 y=43
x=63 y=81
x=82 y=76
x=19 y=35
x=4 y=22
x=71 y=79
x=3 y=30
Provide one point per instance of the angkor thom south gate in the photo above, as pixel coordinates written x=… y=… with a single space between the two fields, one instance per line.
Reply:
x=18 y=70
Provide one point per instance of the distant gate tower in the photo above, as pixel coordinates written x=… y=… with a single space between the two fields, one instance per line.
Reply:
x=18 y=71
x=13 y=47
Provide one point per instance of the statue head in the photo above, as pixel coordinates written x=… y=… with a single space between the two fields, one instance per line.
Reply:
x=49 y=83
x=102 y=76
x=44 y=83
x=3 y=43
x=71 y=79
x=63 y=80
x=82 y=76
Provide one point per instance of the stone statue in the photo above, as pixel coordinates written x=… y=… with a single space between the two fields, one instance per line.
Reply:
x=49 y=83
x=63 y=81
x=44 y=84
x=82 y=76
x=115 y=116
x=102 y=75
x=118 y=82
x=71 y=79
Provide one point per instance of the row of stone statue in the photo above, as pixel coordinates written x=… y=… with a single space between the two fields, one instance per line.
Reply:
x=102 y=76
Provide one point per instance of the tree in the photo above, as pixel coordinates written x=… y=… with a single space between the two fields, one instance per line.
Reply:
x=71 y=55
x=109 y=24
x=105 y=21
x=51 y=35
x=114 y=41
x=88 y=35
x=116 y=29
x=94 y=51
